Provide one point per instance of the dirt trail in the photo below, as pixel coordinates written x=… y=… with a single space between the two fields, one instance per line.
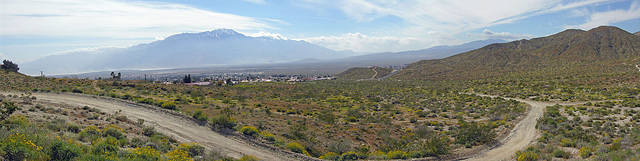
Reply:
x=522 y=134
x=374 y=70
x=170 y=125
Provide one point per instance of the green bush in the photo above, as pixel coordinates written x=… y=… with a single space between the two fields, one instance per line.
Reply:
x=268 y=136
x=224 y=121
x=148 y=131
x=470 y=134
x=199 y=115
x=168 y=105
x=113 y=133
x=396 y=155
x=76 y=90
x=349 y=156
x=73 y=128
x=18 y=147
x=560 y=154
x=105 y=146
x=249 y=130
x=61 y=150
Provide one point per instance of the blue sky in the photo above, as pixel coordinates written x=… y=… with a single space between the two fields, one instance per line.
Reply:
x=30 y=29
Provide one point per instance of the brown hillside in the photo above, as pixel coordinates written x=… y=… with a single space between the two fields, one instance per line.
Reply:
x=599 y=50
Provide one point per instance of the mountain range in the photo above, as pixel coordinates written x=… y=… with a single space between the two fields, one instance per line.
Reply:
x=211 y=48
x=601 y=50
x=225 y=48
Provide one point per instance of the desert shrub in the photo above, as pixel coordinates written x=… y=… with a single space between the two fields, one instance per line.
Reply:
x=148 y=131
x=145 y=153
x=470 y=134
x=126 y=97
x=585 y=152
x=224 y=120
x=77 y=90
x=18 y=147
x=89 y=133
x=193 y=149
x=268 y=136
x=249 y=130
x=178 y=154
x=349 y=156
x=168 y=105
x=397 y=155
x=249 y=158
x=62 y=150
x=295 y=147
x=113 y=133
x=6 y=109
x=199 y=115
x=526 y=156
x=378 y=155
x=105 y=146
x=330 y=156
x=339 y=147
x=73 y=128
x=560 y=154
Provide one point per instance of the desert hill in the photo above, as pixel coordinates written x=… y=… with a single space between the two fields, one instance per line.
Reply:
x=600 y=50
x=364 y=73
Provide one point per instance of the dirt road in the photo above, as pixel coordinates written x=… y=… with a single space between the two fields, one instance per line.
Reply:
x=521 y=135
x=171 y=125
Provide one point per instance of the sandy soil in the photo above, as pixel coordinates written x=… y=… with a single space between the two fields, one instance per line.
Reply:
x=523 y=133
x=170 y=125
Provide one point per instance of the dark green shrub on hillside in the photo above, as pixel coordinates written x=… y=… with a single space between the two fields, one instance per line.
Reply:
x=76 y=90
x=61 y=150
x=471 y=134
x=349 y=156
x=168 y=105
x=113 y=133
x=224 y=121
x=200 y=116
x=148 y=131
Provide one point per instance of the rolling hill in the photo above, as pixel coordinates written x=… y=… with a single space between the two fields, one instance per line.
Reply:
x=364 y=73
x=602 y=50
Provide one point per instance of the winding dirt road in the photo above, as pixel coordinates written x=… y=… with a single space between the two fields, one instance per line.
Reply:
x=171 y=125
x=523 y=133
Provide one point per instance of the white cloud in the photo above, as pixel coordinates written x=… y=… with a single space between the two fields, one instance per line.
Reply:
x=362 y=43
x=605 y=18
x=488 y=34
x=113 y=19
x=268 y=35
x=450 y=16
x=434 y=22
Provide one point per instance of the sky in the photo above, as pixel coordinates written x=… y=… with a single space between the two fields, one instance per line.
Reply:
x=32 y=29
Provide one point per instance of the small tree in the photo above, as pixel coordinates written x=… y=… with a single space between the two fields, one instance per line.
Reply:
x=8 y=65
x=7 y=109
x=187 y=79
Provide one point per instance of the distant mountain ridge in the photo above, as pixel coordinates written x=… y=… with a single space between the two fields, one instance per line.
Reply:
x=211 y=48
x=570 y=52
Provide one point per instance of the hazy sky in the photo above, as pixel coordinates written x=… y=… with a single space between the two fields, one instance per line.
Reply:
x=30 y=29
